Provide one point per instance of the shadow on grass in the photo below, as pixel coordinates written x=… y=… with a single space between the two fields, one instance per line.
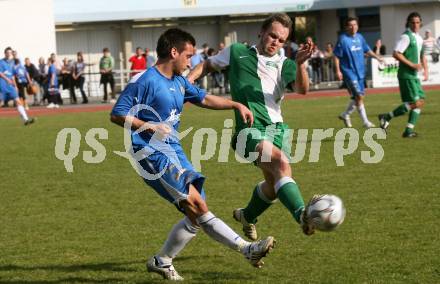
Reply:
x=66 y=280
x=106 y=266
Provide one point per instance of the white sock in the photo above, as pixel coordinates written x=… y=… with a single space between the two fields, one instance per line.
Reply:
x=350 y=108
x=22 y=112
x=363 y=114
x=181 y=234
x=222 y=233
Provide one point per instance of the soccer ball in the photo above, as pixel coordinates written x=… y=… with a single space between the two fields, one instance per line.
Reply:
x=326 y=212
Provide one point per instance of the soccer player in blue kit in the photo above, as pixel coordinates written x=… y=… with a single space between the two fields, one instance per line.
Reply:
x=350 y=52
x=8 y=87
x=152 y=103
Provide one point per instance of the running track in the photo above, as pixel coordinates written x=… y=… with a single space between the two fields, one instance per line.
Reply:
x=41 y=110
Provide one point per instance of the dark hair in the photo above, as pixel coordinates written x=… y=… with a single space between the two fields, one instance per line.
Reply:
x=281 y=18
x=205 y=45
x=350 y=19
x=176 y=38
x=138 y=48
x=411 y=16
x=106 y=49
x=8 y=48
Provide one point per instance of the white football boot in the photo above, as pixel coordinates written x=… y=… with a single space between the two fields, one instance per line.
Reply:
x=167 y=272
x=249 y=229
x=346 y=119
x=257 y=250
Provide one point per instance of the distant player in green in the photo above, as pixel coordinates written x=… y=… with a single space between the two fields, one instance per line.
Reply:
x=409 y=53
x=258 y=78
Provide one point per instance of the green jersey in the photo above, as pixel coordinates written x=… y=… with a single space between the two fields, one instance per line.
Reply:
x=257 y=81
x=410 y=45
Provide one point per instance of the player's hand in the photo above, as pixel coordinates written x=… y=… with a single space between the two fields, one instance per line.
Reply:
x=425 y=76
x=304 y=53
x=417 y=67
x=339 y=75
x=245 y=114
x=161 y=131
x=381 y=60
x=10 y=82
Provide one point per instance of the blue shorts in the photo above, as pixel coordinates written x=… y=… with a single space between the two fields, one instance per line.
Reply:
x=355 y=87
x=173 y=183
x=7 y=92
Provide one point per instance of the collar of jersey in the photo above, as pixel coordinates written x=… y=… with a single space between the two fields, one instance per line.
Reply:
x=254 y=47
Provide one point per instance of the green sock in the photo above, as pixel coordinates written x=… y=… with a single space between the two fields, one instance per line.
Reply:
x=256 y=206
x=289 y=194
x=412 y=120
x=400 y=110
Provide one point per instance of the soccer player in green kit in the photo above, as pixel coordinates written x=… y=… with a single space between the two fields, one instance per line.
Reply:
x=258 y=77
x=408 y=52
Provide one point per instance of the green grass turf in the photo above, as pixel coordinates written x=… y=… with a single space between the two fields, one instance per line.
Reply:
x=100 y=223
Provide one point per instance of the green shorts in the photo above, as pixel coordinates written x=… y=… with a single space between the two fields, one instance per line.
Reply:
x=245 y=140
x=411 y=90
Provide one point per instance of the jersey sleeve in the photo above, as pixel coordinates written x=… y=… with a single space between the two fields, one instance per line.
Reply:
x=221 y=60
x=338 y=51
x=402 y=44
x=128 y=98
x=192 y=94
x=288 y=72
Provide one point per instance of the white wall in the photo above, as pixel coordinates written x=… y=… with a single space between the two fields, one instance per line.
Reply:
x=328 y=26
x=28 y=26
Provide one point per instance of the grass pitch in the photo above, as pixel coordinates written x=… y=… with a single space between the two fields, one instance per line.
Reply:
x=100 y=223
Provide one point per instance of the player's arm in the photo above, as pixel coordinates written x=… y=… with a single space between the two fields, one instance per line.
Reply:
x=214 y=63
x=375 y=56
x=425 y=67
x=402 y=59
x=219 y=103
x=302 y=77
x=4 y=77
x=201 y=69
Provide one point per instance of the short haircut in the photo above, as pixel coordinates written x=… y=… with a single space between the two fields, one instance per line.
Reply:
x=173 y=38
x=411 y=16
x=106 y=49
x=281 y=18
x=138 y=48
x=8 y=48
x=351 y=19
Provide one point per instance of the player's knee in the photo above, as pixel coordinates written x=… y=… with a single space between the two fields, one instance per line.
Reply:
x=420 y=103
x=281 y=165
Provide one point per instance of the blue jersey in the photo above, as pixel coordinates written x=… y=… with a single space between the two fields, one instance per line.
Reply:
x=21 y=73
x=159 y=99
x=351 y=50
x=52 y=70
x=7 y=68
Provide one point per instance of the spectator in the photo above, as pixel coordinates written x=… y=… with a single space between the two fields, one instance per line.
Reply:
x=54 y=96
x=224 y=73
x=22 y=80
x=138 y=62
x=106 y=65
x=149 y=58
x=329 y=63
x=316 y=60
x=195 y=60
x=379 y=48
x=57 y=62
x=66 y=78
x=204 y=53
x=428 y=43
x=78 y=78
x=43 y=69
x=34 y=77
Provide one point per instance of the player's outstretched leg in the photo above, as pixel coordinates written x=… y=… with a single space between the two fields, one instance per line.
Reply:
x=248 y=216
x=412 y=120
x=21 y=110
x=385 y=118
x=278 y=172
x=181 y=234
x=345 y=116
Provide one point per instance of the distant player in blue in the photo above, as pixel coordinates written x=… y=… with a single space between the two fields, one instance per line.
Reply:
x=350 y=54
x=152 y=104
x=8 y=87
